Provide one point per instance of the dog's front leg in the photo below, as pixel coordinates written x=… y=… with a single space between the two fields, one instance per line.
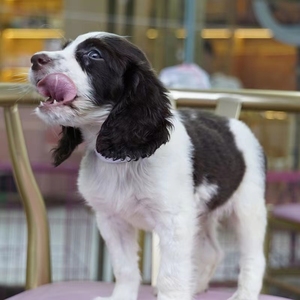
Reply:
x=120 y=238
x=176 y=245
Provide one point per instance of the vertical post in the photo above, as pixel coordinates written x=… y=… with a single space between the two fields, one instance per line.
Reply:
x=38 y=270
x=296 y=153
x=231 y=19
x=189 y=20
x=200 y=24
x=298 y=69
x=297 y=134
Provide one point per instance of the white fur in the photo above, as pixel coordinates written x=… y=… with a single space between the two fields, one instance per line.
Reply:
x=84 y=109
x=157 y=194
x=205 y=191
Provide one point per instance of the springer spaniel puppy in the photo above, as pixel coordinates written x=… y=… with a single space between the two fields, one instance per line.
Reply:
x=147 y=166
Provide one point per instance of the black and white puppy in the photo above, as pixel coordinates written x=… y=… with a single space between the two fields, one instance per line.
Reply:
x=147 y=166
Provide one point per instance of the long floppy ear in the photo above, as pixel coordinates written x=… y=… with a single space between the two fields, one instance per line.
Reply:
x=140 y=121
x=71 y=138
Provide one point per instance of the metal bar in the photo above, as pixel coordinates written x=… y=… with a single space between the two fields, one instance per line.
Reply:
x=11 y=93
x=38 y=269
x=289 y=101
x=250 y=99
x=228 y=107
x=282 y=285
x=285 y=271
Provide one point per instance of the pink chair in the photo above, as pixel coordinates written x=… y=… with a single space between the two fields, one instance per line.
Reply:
x=38 y=276
x=284 y=217
x=89 y=290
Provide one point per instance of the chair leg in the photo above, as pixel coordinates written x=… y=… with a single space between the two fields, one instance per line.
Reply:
x=38 y=270
x=267 y=249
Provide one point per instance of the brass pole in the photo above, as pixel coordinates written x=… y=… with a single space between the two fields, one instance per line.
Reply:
x=38 y=271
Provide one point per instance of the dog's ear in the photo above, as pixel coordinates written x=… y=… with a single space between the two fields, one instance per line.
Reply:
x=70 y=139
x=140 y=121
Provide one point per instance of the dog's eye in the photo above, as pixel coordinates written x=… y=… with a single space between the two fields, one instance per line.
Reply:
x=94 y=54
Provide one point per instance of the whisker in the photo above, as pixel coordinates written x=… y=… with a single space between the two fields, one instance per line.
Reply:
x=55 y=132
x=21 y=90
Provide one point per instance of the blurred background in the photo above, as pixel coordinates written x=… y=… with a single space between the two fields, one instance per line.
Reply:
x=230 y=44
x=241 y=47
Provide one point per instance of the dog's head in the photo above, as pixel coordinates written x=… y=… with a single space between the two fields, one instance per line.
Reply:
x=101 y=78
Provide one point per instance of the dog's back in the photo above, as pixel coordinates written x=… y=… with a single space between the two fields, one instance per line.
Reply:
x=221 y=150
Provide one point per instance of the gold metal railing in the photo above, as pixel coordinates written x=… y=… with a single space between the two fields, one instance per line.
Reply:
x=288 y=101
x=38 y=269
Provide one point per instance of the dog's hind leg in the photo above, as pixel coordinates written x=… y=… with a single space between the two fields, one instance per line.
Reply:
x=250 y=223
x=207 y=254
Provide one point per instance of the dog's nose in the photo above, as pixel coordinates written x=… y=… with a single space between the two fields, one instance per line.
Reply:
x=39 y=60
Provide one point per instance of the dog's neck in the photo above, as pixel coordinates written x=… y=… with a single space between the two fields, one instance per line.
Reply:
x=90 y=133
x=110 y=160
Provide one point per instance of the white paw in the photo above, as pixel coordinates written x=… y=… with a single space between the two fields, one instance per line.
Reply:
x=155 y=291
x=242 y=296
x=201 y=288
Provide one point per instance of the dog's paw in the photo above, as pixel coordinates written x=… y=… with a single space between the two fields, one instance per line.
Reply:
x=242 y=296
x=201 y=288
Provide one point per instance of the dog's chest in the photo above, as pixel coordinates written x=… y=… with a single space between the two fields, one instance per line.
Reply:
x=124 y=189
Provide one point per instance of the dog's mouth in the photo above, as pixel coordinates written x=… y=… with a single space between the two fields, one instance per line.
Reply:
x=58 y=88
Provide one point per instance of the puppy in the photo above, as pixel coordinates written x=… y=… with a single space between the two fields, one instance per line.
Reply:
x=150 y=167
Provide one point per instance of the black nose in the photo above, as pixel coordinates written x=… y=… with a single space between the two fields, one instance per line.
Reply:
x=39 y=60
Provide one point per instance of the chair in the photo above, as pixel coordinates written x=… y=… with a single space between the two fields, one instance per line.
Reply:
x=38 y=276
x=284 y=217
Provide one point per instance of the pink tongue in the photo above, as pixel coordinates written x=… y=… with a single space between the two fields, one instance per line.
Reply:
x=57 y=86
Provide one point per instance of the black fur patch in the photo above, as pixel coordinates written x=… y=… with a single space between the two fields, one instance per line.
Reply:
x=122 y=77
x=106 y=74
x=215 y=157
x=70 y=139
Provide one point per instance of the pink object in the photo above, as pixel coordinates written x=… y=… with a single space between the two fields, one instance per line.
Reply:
x=285 y=176
x=83 y=290
x=185 y=76
x=58 y=86
x=290 y=212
